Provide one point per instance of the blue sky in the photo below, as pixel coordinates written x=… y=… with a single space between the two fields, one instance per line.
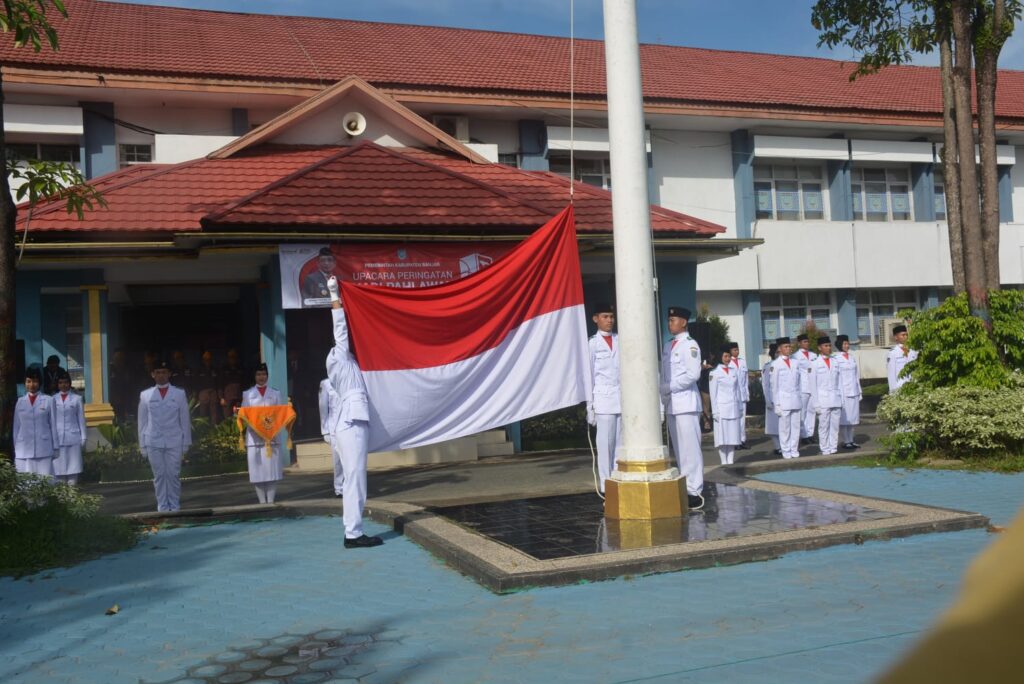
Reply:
x=776 y=26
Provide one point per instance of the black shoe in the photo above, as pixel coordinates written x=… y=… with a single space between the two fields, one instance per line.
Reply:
x=807 y=441
x=695 y=501
x=848 y=445
x=854 y=445
x=363 y=542
x=777 y=452
x=743 y=445
x=337 y=495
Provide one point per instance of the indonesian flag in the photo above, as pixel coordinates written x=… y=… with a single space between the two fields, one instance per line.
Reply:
x=500 y=345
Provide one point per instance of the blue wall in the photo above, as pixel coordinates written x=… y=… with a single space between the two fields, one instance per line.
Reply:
x=753 y=341
x=743 y=181
x=677 y=286
x=846 y=303
x=100 y=147
x=273 y=333
x=922 y=180
x=533 y=145
x=840 y=190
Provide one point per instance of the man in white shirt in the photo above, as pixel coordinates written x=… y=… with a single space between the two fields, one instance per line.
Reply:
x=786 y=398
x=804 y=357
x=827 y=389
x=898 y=358
x=604 y=408
x=739 y=365
x=680 y=371
x=165 y=434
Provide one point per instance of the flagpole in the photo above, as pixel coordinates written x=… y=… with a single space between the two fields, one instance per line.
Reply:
x=645 y=484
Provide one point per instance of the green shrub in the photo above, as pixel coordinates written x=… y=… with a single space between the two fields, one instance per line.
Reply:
x=46 y=524
x=959 y=421
x=220 y=444
x=874 y=389
x=564 y=428
x=1007 y=310
x=710 y=331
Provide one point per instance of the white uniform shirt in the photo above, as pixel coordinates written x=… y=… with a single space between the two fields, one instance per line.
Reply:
x=70 y=421
x=895 y=361
x=604 y=366
x=804 y=358
x=330 y=408
x=344 y=374
x=826 y=383
x=680 y=371
x=726 y=397
x=35 y=428
x=766 y=383
x=850 y=372
x=164 y=422
x=739 y=365
x=785 y=384
x=252 y=397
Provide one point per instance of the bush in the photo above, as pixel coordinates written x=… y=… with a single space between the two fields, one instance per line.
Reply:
x=960 y=421
x=219 y=444
x=45 y=524
x=564 y=428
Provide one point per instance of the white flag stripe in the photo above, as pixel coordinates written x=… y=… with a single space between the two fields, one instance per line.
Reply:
x=542 y=366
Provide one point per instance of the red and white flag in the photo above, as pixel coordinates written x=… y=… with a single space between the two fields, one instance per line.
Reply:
x=501 y=345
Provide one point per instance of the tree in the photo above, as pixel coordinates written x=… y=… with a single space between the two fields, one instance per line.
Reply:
x=30 y=25
x=965 y=33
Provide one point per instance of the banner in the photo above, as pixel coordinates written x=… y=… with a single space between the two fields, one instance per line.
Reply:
x=305 y=268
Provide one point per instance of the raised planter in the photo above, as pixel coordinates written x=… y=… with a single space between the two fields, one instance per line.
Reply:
x=142 y=471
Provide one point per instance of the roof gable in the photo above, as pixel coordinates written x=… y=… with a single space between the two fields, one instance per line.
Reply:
x=318 y=121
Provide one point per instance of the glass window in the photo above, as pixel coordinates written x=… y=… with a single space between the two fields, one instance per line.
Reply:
x=771 y=326
x=881 y=194
x=17 y=152
x=596 y=172
x=940 y=197
x=787 y=313
x=787 y=192
x=59 y=153
x=508 y=159
x=876 y=306
x=135 y=154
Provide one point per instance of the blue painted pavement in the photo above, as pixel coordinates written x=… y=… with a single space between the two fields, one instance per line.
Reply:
x=189 y=596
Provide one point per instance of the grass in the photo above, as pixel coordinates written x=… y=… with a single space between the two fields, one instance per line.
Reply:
x=44 y=542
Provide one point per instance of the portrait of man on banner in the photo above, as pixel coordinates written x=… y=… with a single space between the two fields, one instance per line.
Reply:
x=314 y=285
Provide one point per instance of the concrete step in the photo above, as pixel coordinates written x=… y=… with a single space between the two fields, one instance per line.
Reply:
x=496 y=449
x=491 y=437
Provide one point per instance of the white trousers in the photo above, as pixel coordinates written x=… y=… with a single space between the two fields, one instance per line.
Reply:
x=609 y=438
x=339 y=470
x=266 y=492
x=828 y=429
x=684 y=433
x=38 y=466
x=846 y=433
x=806 y=417
x=166 y=465
x=743 y=424
x=351 y=440
x=789 y=433
x=726 y=453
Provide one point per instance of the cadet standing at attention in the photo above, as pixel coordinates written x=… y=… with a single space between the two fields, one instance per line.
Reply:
x=827 y=391
x=852 y=393
x=352 y=433
x=804 y=358
x=680 y=371
x=726 y=405
x=786 y=398
x=740 y=365
x=266 y=460
x=35 y=429
x=165 y=434
x=771 y=421
x=604 y=409
x=898 y=358
x=330 y=407
x=71 y=432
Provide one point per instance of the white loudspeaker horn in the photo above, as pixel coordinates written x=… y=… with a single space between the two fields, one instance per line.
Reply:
x=354 y=124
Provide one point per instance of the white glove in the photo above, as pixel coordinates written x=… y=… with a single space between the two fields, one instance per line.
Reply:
x=715 y=418
x=83 y=443
x=144 y=451
x=327 y=438
x=591 y=417
x=770 y=406
x=778 y=411
x=332 y=287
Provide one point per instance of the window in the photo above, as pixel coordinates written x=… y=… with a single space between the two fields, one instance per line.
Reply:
x=881 y=194
x=135 y=154
x=17 y=152
x=596 y=172
x=508 y=159
x=788 y=313
x=788 y=192
x=940 y=197
x=875 y=306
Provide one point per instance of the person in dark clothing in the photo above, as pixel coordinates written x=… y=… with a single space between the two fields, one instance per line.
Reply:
x=51 y=373
x=206 y=384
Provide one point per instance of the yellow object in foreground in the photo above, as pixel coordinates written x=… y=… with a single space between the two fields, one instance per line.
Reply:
x=266 y=422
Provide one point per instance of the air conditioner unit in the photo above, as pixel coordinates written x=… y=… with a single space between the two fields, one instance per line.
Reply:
x=885 y=327
x=454 y=125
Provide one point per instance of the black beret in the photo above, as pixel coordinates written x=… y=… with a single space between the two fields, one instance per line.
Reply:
x=824 y=339
x=262 y=367
x=842 y=338
x=162 y=365
x=679 y=312
x=801 y=337
x=602 y=307
x=898 y=329
x=782 y=340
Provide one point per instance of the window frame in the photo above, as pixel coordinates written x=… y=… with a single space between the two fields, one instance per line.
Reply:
x=858 y=180
x=775 y=176
x=579 y=162
x=868 y=300
x=122 y=154
x=810 y=304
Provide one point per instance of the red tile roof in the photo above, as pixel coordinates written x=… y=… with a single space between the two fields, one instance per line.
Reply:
x=108 y=37
x=354 y=188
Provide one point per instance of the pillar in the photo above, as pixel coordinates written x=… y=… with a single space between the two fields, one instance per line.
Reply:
x=239 y=121
x=533 y=145
x=846 y=303
x=100 y=141
x=677 y=286
x=273 y=337
x=743 y=182
x=840 y=190
x=94 y=346
x=753 y=341
x=922 y=181
x=1005 y=194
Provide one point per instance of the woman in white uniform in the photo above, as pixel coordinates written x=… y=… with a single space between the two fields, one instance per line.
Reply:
x=70 y=422
x=266 y=466
x=849 y=416
x=726 y=406
x=771 y=421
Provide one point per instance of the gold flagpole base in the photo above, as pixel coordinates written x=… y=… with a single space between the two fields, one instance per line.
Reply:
x=645 y=500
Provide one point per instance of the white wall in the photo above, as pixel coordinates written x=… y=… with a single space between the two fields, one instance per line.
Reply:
x=729 y=307
x=693 y=175
x=42 y=120
x=173 y=120
x=172 y=149
x=324 y=127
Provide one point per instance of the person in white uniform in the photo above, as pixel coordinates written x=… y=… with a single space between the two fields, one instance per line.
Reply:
x=604 y=408
x=771 y=421
x=352 y=432
x=786 y=398
x=165 y=434
x=827 y=389
x=852 y=392
x=740 y=365
x=680 y=371
x=898 y=358
x=726 y=405
x=35 y=428
x=71 y=432
x=330 y=407
x=266 y=461
x=804 y=358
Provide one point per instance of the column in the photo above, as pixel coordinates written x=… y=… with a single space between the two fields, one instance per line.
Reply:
x=1005 y=194
x=239 y=121
x=100 y=142
x=840 y=190
x=94 y=346
x=846 y=304
x=273 y=337
x=753 y=341
x=923 y=183
x=533 y=145
x=743 y=182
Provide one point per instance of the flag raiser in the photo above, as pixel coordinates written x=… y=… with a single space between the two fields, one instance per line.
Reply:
x=506 y=343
